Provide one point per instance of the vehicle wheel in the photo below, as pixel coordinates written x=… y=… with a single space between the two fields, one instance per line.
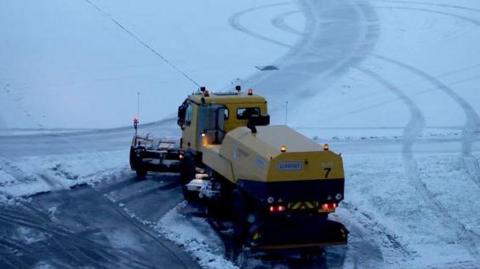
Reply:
x=210 y=210
x=215 y=208
x=189 y=196
x=242 y=259
x=187 y=173
x=313 y=255
x=141 y=173
x=174 y=167
x=133 y=159
x=240 y=213
x=187 y=169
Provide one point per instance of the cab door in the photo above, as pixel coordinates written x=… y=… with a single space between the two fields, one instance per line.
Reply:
x=187 y=115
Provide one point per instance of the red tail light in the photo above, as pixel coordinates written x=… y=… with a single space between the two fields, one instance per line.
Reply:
x=329 y=207
x=276 y=208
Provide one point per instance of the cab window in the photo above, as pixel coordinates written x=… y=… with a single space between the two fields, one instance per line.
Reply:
x=245 y=112
x=189 y=115
x=226 y=114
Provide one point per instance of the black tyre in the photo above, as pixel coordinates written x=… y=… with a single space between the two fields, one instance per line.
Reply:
x=187 y=173
x=136 y=163
x=141 y=172
x=189 y=196
x=239 y=217
x=313 y=255
x=216 y=208
x=133 y=159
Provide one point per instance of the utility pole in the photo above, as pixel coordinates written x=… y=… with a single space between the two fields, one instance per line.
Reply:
x=286 y=112
x=138 y=105
x=136 y=119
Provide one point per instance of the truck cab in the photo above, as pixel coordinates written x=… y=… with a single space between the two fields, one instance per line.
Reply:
x=205 y=117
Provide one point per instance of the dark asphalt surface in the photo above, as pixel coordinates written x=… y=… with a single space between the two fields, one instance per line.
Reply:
x=91 y=227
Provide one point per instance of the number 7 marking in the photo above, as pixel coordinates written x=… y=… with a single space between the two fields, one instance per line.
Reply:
x=327 y=171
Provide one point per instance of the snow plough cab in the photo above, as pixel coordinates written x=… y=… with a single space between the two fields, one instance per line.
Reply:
x=156 y=155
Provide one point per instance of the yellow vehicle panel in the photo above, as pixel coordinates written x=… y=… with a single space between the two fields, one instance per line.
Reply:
x=259 y=157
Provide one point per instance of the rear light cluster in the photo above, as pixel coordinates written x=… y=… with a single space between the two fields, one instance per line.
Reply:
x=322 y=208
x=328 y=207
x=276 y=208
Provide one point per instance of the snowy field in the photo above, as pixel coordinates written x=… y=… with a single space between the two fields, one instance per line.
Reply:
x=391 y=84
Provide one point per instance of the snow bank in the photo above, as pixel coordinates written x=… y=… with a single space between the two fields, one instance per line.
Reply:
x=31 y=175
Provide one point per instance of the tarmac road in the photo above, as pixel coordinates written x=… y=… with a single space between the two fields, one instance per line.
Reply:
x=89 y=226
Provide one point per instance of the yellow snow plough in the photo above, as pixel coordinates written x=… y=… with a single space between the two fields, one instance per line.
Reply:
x=276 y=185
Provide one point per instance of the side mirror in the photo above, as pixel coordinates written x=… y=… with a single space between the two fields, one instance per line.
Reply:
x=256 y=120
x=182 y=110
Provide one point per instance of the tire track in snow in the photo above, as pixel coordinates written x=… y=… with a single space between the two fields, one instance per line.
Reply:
x=468 y=238
x=416 y=123
x=430 y=4
x=56 y=244
x=279 y=22
x=411 y=131
x=234 y=21
x=446 y=38
x=58 y=236
x=31 y=217
x=364 y=220
x=305 y=61
x=79 y=249
x=473 y=168
x=141 y=228
x=434 y=12
x=472 y=126
x=14 y=254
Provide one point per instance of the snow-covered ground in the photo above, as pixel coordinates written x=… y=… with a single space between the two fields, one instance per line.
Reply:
x=391 y=84
x=35 y=174
x=196 y=235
